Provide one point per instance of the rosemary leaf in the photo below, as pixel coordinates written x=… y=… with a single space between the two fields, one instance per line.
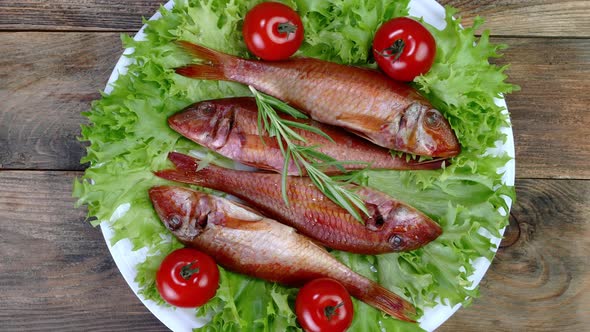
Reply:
x=284 y=176
x=306 y=157
x=307 y=127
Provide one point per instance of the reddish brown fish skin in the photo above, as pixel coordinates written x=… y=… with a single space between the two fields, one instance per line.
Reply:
x=230 y=127
x=392 y=227
x=245 y=242
x=363 y=101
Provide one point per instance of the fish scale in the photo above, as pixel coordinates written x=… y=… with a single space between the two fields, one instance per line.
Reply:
x=392 y=227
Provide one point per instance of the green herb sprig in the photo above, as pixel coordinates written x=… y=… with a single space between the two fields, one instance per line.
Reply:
x=306 y=158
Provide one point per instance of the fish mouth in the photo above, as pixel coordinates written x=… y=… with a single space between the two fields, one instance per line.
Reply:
x=416 y=234
x=191 y=122
x=176 y=209
x=423 y=130
x=436 y=135
x=208 y=123
x=404 y=227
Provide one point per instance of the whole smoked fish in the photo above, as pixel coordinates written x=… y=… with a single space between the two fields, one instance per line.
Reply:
x=392 y=226
x=245 y=242
x=230 y=127
x=363 y=101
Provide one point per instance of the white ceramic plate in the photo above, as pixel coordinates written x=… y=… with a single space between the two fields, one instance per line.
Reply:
x=184 y=319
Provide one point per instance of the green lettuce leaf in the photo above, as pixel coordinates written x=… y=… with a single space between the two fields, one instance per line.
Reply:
x=244 y=304
x=128 y=138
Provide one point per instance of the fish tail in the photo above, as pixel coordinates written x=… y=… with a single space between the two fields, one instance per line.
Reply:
x=388 y=302
x=213 y=66
x=187 y=170
x=179 y=176
x=183 y=162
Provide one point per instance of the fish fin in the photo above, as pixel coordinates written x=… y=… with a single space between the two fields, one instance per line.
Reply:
x=202 y=72
x=179 y=176
x=360 y=124
x=183 y=162
x=389 y=302
x=432 y=164
x=427 y=165
x=187 y=170
x=249 y=209
x=212 y=69
x=362 y=135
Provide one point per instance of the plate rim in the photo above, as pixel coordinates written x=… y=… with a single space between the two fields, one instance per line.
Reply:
x=126 y=259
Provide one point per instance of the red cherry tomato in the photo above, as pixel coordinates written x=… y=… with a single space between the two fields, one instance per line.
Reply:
x=187 y=278
x=404 y=49
x=324 y=305
x=272 y=31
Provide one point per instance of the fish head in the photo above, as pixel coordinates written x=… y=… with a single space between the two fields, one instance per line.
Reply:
x=183 y=211
x=436 y=133
x=208 y=123
x=407 y=228
x=425 y=131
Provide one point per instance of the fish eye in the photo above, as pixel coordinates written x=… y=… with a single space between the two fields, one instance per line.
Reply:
x=206 y=108
x=433 y=119
x=375 y=220
x=395 y=241
x=174 y=222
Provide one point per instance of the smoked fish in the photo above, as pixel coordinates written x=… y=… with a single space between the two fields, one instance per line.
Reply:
x=229 y=126
x=392 y=226
x=243 y=241
x=363 y=101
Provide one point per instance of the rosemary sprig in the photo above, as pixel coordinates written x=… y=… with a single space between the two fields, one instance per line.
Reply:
x=306 y=157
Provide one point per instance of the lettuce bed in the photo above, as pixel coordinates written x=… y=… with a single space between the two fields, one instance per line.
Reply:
x=129 y=138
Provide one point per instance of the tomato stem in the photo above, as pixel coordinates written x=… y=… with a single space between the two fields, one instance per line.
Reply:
x=395 y=50
x=187 y=272
x=287 y=27
x=330 y=310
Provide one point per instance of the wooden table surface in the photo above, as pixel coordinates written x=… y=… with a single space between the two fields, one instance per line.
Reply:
x=56 y=272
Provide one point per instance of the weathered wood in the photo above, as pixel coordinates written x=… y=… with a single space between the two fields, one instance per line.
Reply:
x=527 y=18
x=39 y=118
x=56 y=272
x=550 y=117
x=70 y=15
x=542 y=281
x=505 y=17
x=47 y=79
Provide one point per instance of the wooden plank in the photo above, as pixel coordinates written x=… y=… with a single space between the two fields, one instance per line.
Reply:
x=44 y=92
x=528 y=18
x=47 y=80
x=504 y=17
x=56 y=272
x=549 y=115
x=64 y=15
x=540 y=281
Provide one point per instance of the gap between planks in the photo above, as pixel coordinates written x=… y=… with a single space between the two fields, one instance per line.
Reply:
x=133 y=32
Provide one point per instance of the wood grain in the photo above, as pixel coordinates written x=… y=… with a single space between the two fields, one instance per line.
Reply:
x=542 y=281
x=540 y=18
x=60 y=73
x=550 y=115
x=47 y=79
x=504 y=17
x=56 y=272
x=67 y=15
